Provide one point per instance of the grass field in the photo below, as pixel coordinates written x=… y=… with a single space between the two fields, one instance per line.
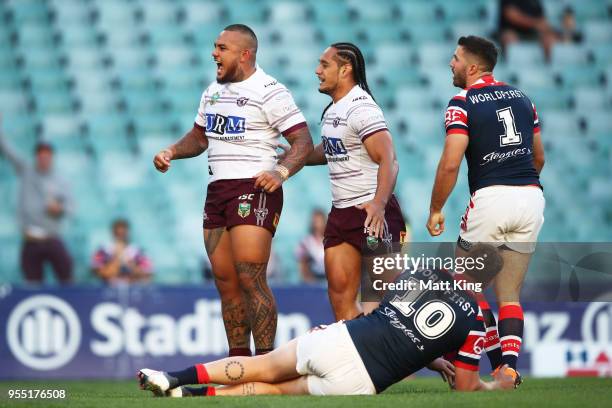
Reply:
x=424 y=392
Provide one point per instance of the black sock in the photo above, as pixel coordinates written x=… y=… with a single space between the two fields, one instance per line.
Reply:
x=492 y=343
x=183 y=377
x=198 y=391
x=259 y=352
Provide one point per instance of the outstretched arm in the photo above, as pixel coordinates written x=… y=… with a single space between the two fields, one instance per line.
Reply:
x=7 y=151
x=193 y=144
x=317 y=157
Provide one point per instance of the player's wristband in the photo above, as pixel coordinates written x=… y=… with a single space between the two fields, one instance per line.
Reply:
x=283 y=171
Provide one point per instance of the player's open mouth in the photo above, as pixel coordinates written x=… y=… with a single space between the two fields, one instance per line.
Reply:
x=219 y=67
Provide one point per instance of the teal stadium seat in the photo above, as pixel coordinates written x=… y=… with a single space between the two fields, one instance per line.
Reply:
x=548 y=99
x=573 y=76
x=332 y=33
x=64 y=132
x=465 y=10
x=418 y=11
x=569 y=54
x=144 y=102
x=28 y=11
x=602 y=54
x=286 y=12
x=129 y=58
x=158 y=12
x=323 y=15
x=597 y=32
x=84 y=58
x=70 y=12
x=373 y=10
x=590 y=99
x=394 y=55
x=52 y=102
x=122 y=37
x=246 y=11
x=419 y=33
x=78 y=35
x=521 y=54
x=183 y=77
x=107 y=134
x=165 y=35
x=34 y=36
x=42 y=80
x=381 y=32
x=114 y=14
x=198 y=13
x=170 y=57
x=136 y=80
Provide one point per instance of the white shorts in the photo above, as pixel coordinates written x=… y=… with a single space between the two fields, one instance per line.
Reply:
x=504 y=215
x=329 y=359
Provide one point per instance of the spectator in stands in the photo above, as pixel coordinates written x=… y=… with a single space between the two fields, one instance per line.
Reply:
x=120 y=261
x=44 y=203
x=524 y=20
x=569 y=29
x=310 y=252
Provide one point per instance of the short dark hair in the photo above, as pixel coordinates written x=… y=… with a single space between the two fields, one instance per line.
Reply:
x=482 y=48
x=42 y=147
x=243 y=29
x=120 y=222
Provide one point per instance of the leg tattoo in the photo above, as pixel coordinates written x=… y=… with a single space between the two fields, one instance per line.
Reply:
x=262 y=308
x=248 y=389
x=236 y=321
x=234 y=370
x=212 y=238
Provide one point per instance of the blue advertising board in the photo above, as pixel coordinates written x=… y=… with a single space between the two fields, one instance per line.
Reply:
x=86 y=332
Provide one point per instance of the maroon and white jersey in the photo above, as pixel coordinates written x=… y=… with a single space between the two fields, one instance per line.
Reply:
x=243 y=122
x=346 y=125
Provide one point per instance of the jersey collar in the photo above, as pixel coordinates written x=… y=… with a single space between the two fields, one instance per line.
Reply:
x=483 y=81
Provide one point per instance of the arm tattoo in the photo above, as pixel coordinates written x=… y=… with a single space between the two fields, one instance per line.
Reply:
x=212 y=238
x=234 y=370
x=260 y=303
x=317 y=157
x=248 y=389
x=301 y=146
x=193 y=144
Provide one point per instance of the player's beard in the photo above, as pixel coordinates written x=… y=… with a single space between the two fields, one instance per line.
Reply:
x=459 y=79
x=232 y=72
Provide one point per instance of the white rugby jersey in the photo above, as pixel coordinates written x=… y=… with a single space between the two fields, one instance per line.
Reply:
x=347 y=123
x=243 y=122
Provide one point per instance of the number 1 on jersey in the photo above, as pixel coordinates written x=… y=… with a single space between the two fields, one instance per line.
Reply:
x=511 y=136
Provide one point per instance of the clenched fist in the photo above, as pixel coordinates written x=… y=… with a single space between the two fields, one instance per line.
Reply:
x=162 y=160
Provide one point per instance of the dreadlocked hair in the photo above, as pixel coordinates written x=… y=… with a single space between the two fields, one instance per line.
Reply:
x=351 y=54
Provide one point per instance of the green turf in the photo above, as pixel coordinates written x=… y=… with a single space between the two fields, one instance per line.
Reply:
x=424 y=392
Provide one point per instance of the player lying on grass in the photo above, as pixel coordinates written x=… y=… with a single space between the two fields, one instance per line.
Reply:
x=410 y=329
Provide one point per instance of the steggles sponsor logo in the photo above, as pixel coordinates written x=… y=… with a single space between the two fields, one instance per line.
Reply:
x=501 y=157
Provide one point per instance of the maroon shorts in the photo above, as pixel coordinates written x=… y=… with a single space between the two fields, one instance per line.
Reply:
x=238 y=202
x=346 y=225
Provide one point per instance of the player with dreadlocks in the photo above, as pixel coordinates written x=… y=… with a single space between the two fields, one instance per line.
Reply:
x=358 y=148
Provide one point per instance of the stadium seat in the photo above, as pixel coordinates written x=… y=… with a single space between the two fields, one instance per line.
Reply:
x=373 y=11
x=136 y=80
x=568 y=54
x=70 y=12
x=411 y=99
x=524 y=54
x=602 y=54
x=285 y=12
x=533 y=79
x=419 y=33
x=462 y=10
x=246 y=11
x=10 y=79
x=572 y=76
x=122 y=37
x=165 y=35
x=197 y=12
x=418 y=11
x=113 y=14
x=158 y=12
x=170 y=57
x=381 y=32
x=390 y=55
x=28 y=11
x=143 y=102
x=47 y=80
x=549 y=99
x=78 y=35
x=332 y=33
x=460 y=29
x=591 y=99
x=322 y=15
x=129 y=58
x=54 y=102
x=435 y=55
x=35 y=36
x=597 y=32
x=184 y=78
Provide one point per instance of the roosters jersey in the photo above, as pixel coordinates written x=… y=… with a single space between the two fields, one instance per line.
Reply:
x=345 y=126
x=430 y=317
x=243 y=122
x=500 y=122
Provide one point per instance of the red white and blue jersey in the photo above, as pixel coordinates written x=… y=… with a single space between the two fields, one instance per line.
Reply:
x=428 y=316
x=500 y=122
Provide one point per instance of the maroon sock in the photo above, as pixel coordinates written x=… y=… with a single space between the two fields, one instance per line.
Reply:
x=259 y=352
x=240 y=351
